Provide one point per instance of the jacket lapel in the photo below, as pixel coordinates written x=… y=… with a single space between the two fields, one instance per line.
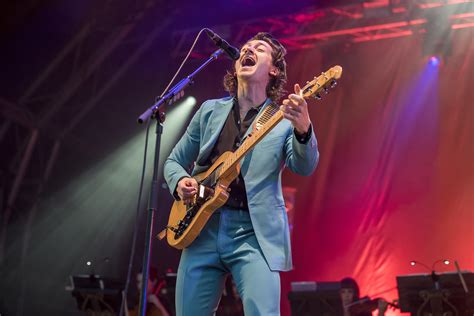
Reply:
x=214 y=125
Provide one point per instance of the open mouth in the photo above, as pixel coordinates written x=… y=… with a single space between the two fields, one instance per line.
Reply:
x=248 y=61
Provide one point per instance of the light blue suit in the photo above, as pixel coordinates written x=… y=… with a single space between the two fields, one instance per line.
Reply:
x=261 y=170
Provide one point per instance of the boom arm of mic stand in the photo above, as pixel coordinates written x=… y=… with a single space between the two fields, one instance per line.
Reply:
x=175 y=90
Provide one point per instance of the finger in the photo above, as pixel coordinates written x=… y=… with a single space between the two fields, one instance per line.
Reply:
x=191 y=186
x=288 y=116
x=188 y=183
x=189 y=191
x=298 y=89
x=295 y=109
x=286 y=108
x=296 y=98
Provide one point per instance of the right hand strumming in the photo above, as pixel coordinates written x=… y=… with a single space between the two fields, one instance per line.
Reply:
x=187 y=189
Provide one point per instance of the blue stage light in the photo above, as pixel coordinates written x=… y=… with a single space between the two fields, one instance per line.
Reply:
x=434 y=60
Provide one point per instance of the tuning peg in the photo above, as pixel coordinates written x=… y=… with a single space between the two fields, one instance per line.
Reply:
x=317 y=96
x=326 y=90
x=333 y=83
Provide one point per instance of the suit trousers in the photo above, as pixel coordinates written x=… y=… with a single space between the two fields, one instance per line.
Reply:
x=227 y=244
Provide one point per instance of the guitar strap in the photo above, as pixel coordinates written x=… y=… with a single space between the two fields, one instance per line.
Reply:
x=265 y=115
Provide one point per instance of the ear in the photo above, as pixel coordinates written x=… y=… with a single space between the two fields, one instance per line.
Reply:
x=274 y=72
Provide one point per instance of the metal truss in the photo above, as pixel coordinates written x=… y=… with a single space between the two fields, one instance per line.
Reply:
x=35 y=126
x=355 y=23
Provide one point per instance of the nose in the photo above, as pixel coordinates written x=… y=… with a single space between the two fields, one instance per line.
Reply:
x=248 y=49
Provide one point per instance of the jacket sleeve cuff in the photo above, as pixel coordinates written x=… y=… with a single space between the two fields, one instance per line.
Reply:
x=304 y=138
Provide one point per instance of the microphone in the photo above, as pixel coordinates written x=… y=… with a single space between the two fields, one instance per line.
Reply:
x=231 y=51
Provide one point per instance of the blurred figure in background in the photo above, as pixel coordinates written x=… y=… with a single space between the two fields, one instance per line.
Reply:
x=154 y=305
x=353 y=305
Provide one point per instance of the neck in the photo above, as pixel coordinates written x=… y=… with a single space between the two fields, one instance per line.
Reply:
x=250 y=94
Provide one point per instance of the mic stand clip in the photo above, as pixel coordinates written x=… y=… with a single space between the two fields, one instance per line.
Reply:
x=177 y=91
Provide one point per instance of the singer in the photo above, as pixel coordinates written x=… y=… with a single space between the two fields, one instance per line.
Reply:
x=249 y=236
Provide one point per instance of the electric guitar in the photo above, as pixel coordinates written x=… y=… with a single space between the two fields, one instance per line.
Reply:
x=186 y=221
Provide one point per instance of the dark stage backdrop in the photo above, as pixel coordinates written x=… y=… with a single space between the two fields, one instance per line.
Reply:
x=395 y=177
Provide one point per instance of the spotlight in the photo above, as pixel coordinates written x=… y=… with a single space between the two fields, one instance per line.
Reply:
x=437 y=38
x=446 y=261
x=414 y=263
x=88 y=263
x=190 y=101
x=434 y=60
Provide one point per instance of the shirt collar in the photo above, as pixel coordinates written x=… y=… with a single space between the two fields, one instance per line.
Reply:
x=256 y=107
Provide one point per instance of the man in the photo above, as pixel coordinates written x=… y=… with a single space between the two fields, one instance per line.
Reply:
x=249 y=236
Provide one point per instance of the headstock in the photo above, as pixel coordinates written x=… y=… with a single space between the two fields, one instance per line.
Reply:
x=323 y=82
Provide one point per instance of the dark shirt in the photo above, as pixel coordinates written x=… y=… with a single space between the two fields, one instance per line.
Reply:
x=230 y=139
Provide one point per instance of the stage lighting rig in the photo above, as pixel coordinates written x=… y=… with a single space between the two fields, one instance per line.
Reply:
x=437 y=36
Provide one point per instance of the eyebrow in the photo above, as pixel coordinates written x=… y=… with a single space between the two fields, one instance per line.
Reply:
x=257 y=45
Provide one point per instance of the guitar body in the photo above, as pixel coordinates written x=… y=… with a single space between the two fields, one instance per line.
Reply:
x=179 y=210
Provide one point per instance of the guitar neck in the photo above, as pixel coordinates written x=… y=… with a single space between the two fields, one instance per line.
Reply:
x=252 y=139
x=269 y=120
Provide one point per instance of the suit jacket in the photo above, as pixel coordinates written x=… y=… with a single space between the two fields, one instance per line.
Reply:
x=261 y=169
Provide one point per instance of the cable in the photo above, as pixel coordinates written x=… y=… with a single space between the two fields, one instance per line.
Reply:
x=182 y=64
x=135 y=229
x=137 y=215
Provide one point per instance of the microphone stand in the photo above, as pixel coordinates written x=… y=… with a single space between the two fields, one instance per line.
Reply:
x=173 y=95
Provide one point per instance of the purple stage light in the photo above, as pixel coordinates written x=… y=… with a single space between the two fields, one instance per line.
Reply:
x=434 y=60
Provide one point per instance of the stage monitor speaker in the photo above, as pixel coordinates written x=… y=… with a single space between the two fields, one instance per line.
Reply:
x=95 y=294
x=436 y=293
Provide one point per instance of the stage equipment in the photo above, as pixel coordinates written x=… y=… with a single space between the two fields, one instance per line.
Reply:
x=230 y=50
x=315 y=299
x=96 y=295
x=436 y=294
x=437 y=38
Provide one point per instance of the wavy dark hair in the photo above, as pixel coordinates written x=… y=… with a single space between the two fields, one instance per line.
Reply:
x=350 y=283
x=275 y=88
